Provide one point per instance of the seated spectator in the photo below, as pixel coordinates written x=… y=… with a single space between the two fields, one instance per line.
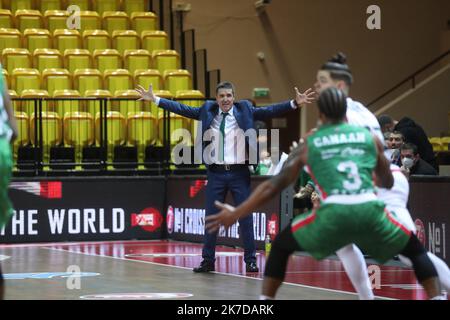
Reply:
x=413 y=133
x=412 y=163
x=396 y=140
x=387 y=124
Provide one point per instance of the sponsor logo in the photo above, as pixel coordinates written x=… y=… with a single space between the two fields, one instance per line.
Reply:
x=420 y=233
x=196 y=188
x=273 y=226
x=170 y=219
x=149 y=219
x=44 y=189
x=47 y=275
x=136 y=296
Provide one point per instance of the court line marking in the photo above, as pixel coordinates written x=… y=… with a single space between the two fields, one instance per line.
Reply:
x=215 y=272
x=46 y=244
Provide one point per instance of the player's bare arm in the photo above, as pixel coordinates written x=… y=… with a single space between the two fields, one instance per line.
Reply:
x=263 y=193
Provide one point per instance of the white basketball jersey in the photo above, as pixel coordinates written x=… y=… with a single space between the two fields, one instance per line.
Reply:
x=397 y=196
x=360 y=116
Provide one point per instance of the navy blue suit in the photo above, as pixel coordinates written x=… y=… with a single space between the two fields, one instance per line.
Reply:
x=237 y=182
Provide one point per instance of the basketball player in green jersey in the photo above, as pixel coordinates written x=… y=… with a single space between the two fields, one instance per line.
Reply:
x=341 y=159
x=8 y=133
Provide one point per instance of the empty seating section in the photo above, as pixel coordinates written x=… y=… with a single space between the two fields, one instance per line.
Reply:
x=139 y=59
x=90 y=20
x=10 y=38
x=125 y=39
x=46 y=59
x=55 y=19
x=37 y=38
x=107 y=59
x=66 y=39
x=49 y=49
x=77 y=59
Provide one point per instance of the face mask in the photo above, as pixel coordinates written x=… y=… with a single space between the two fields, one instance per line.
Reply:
x=407 y=163
x=267 y=162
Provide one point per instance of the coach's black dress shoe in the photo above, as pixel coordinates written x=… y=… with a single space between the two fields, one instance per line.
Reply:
x=251 y=267
x=205 y=266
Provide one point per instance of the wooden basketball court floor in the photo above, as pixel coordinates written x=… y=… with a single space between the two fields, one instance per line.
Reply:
x=162 y=269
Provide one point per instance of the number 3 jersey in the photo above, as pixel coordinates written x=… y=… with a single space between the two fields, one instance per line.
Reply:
x=341 y=159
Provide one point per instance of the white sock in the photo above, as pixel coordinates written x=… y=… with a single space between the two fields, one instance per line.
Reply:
x=263 y=297
x=356 y=268
x=441 y=268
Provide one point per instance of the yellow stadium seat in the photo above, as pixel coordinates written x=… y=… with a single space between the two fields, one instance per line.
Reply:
x=436 y=143
x=47 y=58
x=77 y=59
x=56 y=79
x=10 y=38
x=137 y=59
x=445 y=143
x=84 y=5
x=67 y=102
x=176 y=122
x=6 y=19
x=117 y=79
x=66 y=39
x=145 y=77
x=165 y=60
x=102 y=6
x=131 y=6
x=29 y=19
x=37 y=38
x=18 y=4
x=125 y=39
x=51 y=132
x=115 y=20
x=154 y=40
x=56 y=19
x=78 y=131
x=143 y=21
x=153 y=108
x=126 y=106
x=25 y=78
x=107 y=59
x=116 y=132
x=30 y=106
x=175 y=80
x=142 y=131
x=16 y=103
x=45 y=5
x=23 y=127
x=193 y=98
x=13 y=58
x=90 y=20
x=96 y=40
x=87 y=79
x=93 y=107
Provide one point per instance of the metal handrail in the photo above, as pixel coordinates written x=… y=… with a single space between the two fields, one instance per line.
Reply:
x=410 y=78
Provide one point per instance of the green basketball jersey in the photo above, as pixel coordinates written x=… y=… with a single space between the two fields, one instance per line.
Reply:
x=341 y=159
x=5 y=129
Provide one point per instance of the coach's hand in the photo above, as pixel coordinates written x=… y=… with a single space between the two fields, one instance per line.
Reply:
x=304 y=98
x=146 y=95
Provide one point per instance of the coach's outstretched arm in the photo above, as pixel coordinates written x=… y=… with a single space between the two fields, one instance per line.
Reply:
x=263 y=193
x=172 y=106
